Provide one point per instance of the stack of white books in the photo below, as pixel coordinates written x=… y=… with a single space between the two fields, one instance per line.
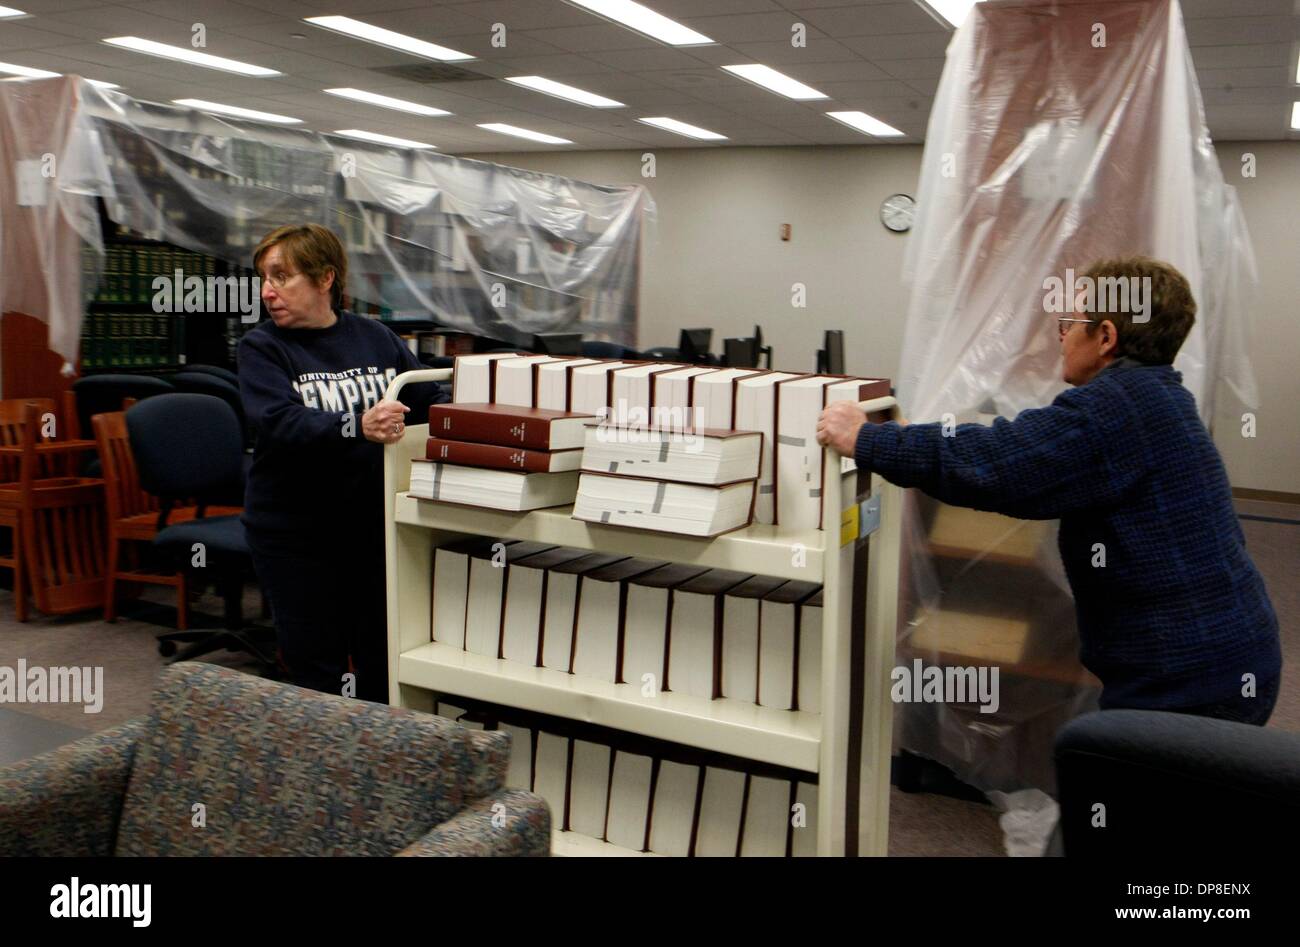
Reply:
x=696 y=483
x=501 y=456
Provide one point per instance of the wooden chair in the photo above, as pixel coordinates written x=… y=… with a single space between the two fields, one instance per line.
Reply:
x=133 y=517
x=56 y=520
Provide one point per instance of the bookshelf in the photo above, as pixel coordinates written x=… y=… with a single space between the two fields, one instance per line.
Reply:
x=847 y=746
x=426 y=235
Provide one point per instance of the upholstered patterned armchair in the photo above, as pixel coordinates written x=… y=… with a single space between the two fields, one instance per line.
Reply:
x=231 y=764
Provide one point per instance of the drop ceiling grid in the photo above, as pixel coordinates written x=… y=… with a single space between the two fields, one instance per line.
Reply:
x=881 y=56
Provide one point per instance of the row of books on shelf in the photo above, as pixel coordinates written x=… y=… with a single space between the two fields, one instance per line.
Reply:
x=130 y=340
x=129 y=271
x=657 y=626
x=659 y=423
x=654 y=797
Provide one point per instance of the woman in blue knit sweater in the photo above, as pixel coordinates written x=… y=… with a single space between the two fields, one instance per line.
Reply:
x=1177 y=618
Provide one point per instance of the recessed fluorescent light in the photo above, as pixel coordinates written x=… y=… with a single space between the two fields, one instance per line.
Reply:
x=861 y=121
x=237 y=112
x=191 y=56
x=375 y=34
x=681 y=128
x=502 y=129
x=384 y=101
x=644 y=20
x=27 y=72
x=952 y=12
x=6 y=12
x=777 y=82
x=562 y=91
x=381 y=139
x=1295 y=116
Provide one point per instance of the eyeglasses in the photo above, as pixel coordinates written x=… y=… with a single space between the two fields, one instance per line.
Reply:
x=279 y=279
x=1061 y=324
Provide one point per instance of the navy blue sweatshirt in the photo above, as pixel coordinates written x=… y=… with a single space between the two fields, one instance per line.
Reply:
x=304 y=390
x=1178 y=613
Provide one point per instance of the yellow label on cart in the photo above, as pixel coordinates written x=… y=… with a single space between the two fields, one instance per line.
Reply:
x=849 y=525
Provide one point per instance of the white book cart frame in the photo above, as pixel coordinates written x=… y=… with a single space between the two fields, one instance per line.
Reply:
x=847 y=748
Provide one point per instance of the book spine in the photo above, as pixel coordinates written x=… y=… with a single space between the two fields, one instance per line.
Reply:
x=505 y=430
x=469 y=454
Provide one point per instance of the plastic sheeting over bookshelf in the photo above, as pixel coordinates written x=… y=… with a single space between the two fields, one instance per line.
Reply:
x=492 y=250
x=1062 y=132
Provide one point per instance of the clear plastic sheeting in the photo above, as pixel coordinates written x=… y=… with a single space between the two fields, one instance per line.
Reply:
x=1062 y=132
x=496 y=251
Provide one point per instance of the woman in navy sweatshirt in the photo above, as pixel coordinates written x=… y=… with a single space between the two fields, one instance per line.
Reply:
x=312 y=380
x=1175 y=617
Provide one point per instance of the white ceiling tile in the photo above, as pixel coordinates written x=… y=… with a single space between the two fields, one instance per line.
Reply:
x=432 y=24
x=913 y=68
x=517 y=43
x=1216 y=8
x=881 y=49
x=1244 y=78
x=749 y=27
x=873 y=20
x=16 y=36
x=1231 y=57
x=845 y=70
x=1217 y=95
x=598 y=37
x=39 y=7
x=211 y=13
x=564 y=64
x=871 y=89
x=779 y=54
x=526 y=14
x=75 y=31
x=716 y=55
x=645 y=59
x=680 y=10
x=1225 y=31
x=799 y=5
x=114 y=20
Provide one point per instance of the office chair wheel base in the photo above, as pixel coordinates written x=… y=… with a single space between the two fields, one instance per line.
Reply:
x=166 y=648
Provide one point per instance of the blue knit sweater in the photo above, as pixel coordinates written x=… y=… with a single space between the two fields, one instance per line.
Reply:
x=1178 y=613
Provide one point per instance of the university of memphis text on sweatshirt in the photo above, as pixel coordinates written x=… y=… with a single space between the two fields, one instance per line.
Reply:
x=1177 y=614
x=304 y=392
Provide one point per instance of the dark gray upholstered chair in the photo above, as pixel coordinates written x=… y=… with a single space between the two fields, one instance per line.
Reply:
x=1175 y=784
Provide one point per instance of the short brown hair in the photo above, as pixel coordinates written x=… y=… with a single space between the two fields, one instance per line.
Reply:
x=1156 y=340
x=311 y=249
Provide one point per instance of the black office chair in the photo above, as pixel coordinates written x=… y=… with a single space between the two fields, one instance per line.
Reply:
x=100 y=394
x=203 y=383
x=1141 y=782
x=215 y=370
x=188 y=447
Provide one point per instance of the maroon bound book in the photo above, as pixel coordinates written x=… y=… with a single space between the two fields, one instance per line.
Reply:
x=470 y=454
x=508 y=426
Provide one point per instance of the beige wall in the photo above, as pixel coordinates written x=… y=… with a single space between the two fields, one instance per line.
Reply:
x=1271 y=203
x=715 y=258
